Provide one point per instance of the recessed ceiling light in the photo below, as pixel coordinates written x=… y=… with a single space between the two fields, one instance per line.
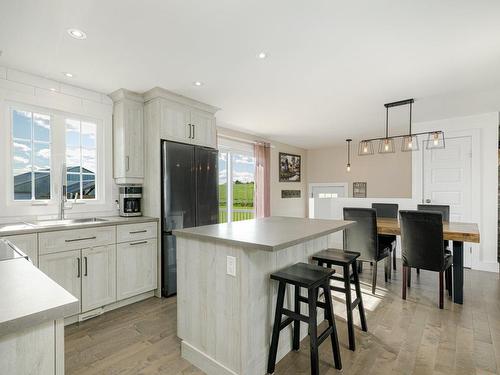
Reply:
x=69 y=75
x=197 y=83
x=52 y=89
x=262 y=55
x=77 y=34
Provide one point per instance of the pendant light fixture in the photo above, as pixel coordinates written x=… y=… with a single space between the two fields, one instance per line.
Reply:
x=410 y=141
x=435 y=138
x=386 y=145
x=348 y=168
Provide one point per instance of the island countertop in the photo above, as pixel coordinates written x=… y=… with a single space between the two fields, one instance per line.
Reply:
x=270 y=233
x=29 y=297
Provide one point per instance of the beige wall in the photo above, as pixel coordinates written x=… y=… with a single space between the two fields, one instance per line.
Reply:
x=387 y=176
x=296 y=207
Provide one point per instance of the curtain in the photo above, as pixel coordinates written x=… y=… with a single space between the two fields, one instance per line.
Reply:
x=262 y=180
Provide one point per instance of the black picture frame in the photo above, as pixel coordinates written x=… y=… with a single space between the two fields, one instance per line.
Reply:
x=290 y=167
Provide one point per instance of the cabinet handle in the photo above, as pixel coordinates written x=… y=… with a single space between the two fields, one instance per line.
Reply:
x=79 y=267
x=190 y=131
x=81 y=239
x=138 y=231
x=194 y=127
x=86 y=271
x=127 y=163
x=138 y=243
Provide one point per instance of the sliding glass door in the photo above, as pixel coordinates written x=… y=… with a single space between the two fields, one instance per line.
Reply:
x=236 y=183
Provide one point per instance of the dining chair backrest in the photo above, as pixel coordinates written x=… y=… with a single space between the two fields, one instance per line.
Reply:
x=422 y=239
x=361 y=236
x=445 y=210
x=389 y=210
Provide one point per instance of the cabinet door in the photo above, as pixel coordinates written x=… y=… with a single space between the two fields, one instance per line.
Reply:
x=135 y=268
x=204 y=130
x=98 y=277
x=28 y=244
x=65 y=269
x=175 y=122
x=134 y=153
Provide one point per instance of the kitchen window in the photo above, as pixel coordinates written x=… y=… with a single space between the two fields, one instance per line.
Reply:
x=81 y=159
x=31 y=149
x=43 y=142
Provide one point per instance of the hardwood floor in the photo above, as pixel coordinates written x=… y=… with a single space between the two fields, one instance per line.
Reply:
x=404 y=337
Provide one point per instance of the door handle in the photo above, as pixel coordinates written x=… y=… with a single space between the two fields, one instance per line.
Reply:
x=194 y=127
x=78 y=267
x=86 y=270
x=190 y=131
x=127 y=163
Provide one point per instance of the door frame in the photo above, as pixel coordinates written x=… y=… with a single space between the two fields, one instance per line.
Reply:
x=418 y=180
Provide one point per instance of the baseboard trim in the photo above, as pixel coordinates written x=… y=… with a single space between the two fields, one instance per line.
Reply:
x=486 y=266
x=204 y=362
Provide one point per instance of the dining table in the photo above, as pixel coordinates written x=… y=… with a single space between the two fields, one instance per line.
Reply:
x=456 y=232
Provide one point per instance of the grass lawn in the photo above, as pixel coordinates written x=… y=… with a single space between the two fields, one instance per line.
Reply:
x=242 y=195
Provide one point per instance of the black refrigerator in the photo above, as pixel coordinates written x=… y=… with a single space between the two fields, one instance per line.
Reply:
x=189 y=198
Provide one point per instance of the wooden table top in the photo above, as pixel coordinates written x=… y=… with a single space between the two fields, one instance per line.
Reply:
x=465 y=232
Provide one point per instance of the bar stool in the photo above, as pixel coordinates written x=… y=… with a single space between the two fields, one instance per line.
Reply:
x=345 y=259
x=311 y=277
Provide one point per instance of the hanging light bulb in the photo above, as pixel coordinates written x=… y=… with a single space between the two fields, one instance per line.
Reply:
x=365 y=148
x=348 y=168
x=435 y=140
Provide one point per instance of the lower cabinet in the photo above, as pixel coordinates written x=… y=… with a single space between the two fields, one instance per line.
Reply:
x=88 y=274
x=28 y=244
x=135 y=267
x=65 y=269
x=98 y=277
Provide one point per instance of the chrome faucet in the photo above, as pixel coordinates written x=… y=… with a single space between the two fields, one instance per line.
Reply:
x=64 y=189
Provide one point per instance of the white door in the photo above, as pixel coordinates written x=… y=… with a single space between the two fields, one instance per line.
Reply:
x=174 y=122
x=65 y=269
x=322 y=195
x=204 y=130
x=98 y=277
x=135 y=268
x=447 y=177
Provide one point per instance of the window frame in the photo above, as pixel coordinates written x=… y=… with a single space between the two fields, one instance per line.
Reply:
x=57 y=156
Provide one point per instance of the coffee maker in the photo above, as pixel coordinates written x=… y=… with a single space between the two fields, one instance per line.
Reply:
x=130 y=200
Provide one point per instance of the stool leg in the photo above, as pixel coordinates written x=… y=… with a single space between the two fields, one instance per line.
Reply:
x=394 y=258
x=271 y=363
x=348 y=303
x=404 y=282
x=374 y=278
x=361 y=307
x=331 y=322
x=313 y=329
x=296 y=324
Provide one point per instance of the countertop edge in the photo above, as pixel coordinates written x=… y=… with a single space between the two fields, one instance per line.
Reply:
x=253 y=245
x=54 y=228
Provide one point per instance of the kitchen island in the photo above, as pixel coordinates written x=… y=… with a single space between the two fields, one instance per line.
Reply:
x=225 y=299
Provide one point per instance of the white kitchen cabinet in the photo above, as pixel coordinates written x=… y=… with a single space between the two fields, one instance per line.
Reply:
x=65 y=269
x=98 y=277
x=175 y=122
x=136 y=268
x=128 y=137
x=76 y=239
x=203 y=127
x=28 y=244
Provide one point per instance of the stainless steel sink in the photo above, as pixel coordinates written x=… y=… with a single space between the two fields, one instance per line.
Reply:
x=47 y=223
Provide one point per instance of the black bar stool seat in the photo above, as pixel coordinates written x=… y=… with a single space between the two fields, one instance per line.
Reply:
x=311 y=277
x=346 y=260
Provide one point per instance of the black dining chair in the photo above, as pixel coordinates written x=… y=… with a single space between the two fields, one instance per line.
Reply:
x=388 y=210
x=423 y=247
x=362 y=237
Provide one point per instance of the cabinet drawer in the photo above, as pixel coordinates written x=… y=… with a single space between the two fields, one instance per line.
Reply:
x=134 y=232
x=54 y=242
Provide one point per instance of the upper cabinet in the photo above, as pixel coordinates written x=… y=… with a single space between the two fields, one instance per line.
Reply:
x=181 y=119
x=128 y=137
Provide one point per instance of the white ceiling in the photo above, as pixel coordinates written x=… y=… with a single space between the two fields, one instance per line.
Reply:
x=331 y=66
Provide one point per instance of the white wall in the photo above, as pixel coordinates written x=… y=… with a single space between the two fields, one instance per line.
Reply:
x=484 y=132
x=19 y=88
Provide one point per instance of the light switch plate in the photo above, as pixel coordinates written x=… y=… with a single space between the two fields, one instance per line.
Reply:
x=231 y=265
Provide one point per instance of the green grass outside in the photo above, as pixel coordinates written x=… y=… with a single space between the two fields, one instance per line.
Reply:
x=243 y=195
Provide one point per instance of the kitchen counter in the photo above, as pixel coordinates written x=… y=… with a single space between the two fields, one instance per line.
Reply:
x=225 y=298
x=10 y=229
x=270 y=234
x=29 y=297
